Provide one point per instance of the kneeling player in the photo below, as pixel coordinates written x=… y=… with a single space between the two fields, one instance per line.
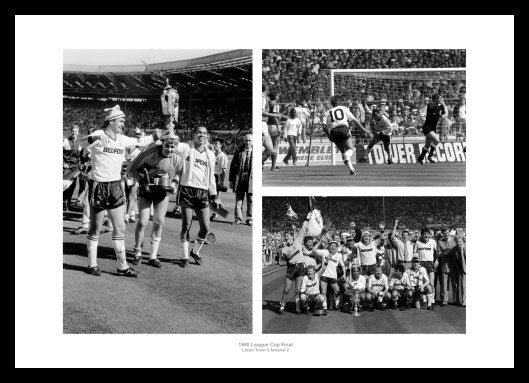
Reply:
x=418 y=277
x=336 y=125
x=400 y=287
x=355 y=289
x=310 y=290
x=377 y=290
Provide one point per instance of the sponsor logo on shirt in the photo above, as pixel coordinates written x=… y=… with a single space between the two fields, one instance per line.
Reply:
x=113 y=150
x=201 y=162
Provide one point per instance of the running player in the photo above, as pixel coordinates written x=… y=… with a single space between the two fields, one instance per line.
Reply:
x=197 y=187
x=418 y=278
x=106 y=190
x=310 y=289
x=434 y=111
x=157 y=160
x=400 y=287
x=336 y=125
x=382 y=132
x=377 y=290
x=424 y=249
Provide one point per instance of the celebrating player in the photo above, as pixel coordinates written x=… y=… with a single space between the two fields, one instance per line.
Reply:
x=293 y=253
x=336 y=125
x=157 y=160
x=367 y=253
x=382 y=132
x=267 y=140
x=106 y=190
x=331 y=260
x=434 y=111
x=197 y=187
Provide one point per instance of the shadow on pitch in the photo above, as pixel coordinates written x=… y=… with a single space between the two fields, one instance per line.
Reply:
x=273 y=306
x=79 y=249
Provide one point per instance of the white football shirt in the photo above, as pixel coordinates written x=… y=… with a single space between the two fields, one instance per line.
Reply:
x=108 y=157
x=426 y=250
x=310 y=286
x=378 y=285
x=367 y=253
x=221 y=162
x=337 y=116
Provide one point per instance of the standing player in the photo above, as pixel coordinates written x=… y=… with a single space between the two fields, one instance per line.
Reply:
x=197 y=187
x=221 y=167
x=303 y=114
x=267 y=140
x=336 y=125
x=382 y=132
x=156 y=160
x=331 y=260
x=291 y=131
x=424 y=249
x=434 y=111
x=367 y=253
x=293 y=253
x=106 y=190
x=274 y=128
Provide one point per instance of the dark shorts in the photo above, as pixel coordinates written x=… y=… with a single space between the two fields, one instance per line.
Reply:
x=330 y=281
x=106 y=195
x=428 y=265
x=190 y=197
x=295 y=271
x=368 y=270
x=427 y=129
x=381 y=137
x=339 y=134
x=155 y=197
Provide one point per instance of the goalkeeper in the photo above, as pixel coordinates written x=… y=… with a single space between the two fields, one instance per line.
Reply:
x=434 y=111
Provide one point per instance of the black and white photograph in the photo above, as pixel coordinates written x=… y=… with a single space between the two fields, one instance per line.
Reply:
x=157 y=191
x=364 y=265
x=364 y=117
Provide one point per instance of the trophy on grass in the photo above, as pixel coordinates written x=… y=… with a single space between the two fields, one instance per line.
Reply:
x=356 y=302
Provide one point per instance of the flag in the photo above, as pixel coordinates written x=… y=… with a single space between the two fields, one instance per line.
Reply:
x=291 y=213
x=312 y=203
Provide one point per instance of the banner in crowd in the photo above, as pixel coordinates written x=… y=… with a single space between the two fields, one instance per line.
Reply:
x=321 y=153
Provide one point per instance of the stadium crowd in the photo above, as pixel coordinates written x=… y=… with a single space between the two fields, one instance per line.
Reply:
x=302 y=77
x=348 y=219
x=216 y=116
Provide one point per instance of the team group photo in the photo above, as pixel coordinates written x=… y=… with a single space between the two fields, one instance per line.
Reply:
x=157 y=191
x=364 y=117
x=364 y=265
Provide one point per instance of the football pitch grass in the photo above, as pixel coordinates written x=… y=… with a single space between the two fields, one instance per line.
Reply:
x=431 y=174
x=213 y=298
x=444 y=320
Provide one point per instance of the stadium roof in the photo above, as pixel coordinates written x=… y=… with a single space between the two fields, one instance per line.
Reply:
x=222 y=73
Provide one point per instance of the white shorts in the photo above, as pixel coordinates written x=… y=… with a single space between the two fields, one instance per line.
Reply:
x=265 y=129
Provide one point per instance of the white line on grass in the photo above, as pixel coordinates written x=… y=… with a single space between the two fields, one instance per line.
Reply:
x=273 y=271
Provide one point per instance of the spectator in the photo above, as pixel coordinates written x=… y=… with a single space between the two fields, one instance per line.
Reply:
x=241 y=180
